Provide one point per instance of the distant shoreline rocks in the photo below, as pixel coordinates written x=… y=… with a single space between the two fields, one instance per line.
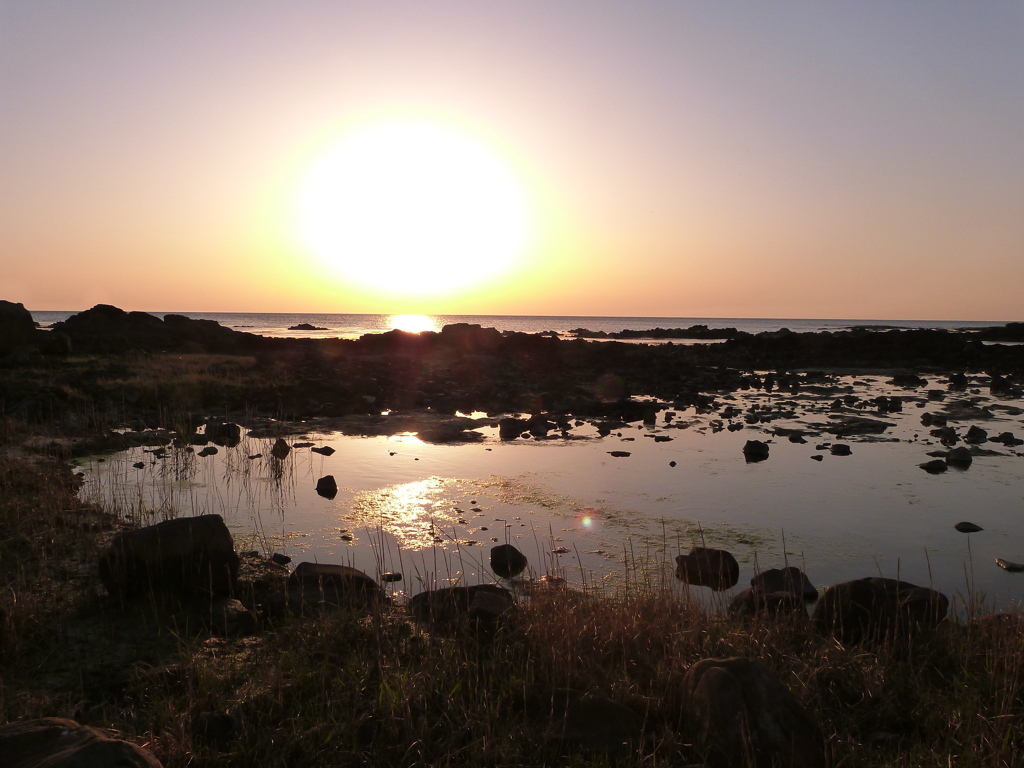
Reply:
x=305 y=327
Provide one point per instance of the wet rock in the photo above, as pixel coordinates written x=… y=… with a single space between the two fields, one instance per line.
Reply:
x=280 y=559
x=847 y=426
x=305 y=327
x=281 y=449
x=510 y=428
x=875 y=607
x=327 y=487
x=840 y=449
x=755 y=450
x=619 y=454
x=55 y=742
x=323 y=450
x=593 y=724
x=934 y=467
x=507 y=561
x=976 y=435
x=946 y=435
x=706 y=567
x=818 y=457
x=186 y=556
x=318 y=586
x=223 y=433
x=790 y=579
x=960 y=457
x=207 y=451
x=740 y=714
x=966 y=527
x=1007 y=438
x=908 y=381
x=451 y=606
x=796 y=437
x=1008 y=565
x=390 y=577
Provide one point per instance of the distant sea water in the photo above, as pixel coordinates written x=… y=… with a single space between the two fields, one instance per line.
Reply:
x=350 y=326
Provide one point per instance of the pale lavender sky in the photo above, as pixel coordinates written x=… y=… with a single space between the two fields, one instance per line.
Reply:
x=789 y=159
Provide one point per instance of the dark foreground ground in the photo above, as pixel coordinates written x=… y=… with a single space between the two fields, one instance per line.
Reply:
x=563 y=678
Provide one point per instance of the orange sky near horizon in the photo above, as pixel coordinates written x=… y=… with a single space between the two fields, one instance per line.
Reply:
x=690 y=159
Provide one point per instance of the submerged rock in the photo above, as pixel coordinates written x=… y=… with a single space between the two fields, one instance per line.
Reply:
x=934 y=467
x=755 y=450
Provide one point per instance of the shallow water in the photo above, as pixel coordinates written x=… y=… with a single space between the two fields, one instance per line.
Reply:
x=432 y=511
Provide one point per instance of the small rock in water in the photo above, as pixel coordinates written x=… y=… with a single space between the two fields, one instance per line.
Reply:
x=138 y=465
x=968 y=527
x=256 y=456
x=818 y=457
x=671 y=463
x=280 y=559
x=934 y=467
x=207 y=451
x=390 y=577
x=1007 y=565
x=840 y=449
x=960 y=457
x=281 y=449
x=619 y=454
x=324 y=450
x=327 y=486
x=301 y=445
x=755 y=450
x=507 y=561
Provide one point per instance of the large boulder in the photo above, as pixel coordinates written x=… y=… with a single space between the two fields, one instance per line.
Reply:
x=740 y=714
x=188 y=556
x=706 y=567
x=593 y=724
x=54 y=742
x=17 y=328
x=108 y=329
x=450 y=606
x=875 y=607
x=323 y=585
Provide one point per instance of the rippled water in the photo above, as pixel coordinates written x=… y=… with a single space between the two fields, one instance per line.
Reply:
x=433 y=511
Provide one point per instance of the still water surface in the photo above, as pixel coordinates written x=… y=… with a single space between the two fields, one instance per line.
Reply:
x=433 y=511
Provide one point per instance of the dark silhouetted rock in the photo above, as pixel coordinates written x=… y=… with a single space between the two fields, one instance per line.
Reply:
x=705 y=567
x=315 y=586
x=934 y=467
x=389 y=577
x=619 y=454
x=790 y=579
x=280 y=559
x=741 y=715
x=968 y=527
x=510 y=428
x=450 y=606
x=976 y=435
x=207 y=451
x=960 y=457
x=755 y=450
x=323 y=450
x=1008 y=565
x=281 y=449
x=215 y=728
x=327 y=486
x=840 y=449
x=507 y=561
x=53 y=742
x=223 y=433
x=846 y=426
x=305 y=327
x=186 y=556
x=17 y=328
x=872 y=608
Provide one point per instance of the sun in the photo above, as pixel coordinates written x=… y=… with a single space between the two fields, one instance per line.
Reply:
x=413 y=208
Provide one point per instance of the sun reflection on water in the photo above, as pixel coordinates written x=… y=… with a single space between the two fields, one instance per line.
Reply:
x=418 y=514
x=412 y=323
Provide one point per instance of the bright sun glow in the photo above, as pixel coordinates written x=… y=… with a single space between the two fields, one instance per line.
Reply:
x=412 y=323
x=413 y=208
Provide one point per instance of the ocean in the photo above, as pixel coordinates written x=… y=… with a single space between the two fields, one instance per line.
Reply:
x=351 y=326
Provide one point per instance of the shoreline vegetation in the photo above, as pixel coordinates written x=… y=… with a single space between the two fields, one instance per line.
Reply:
x=277 y=669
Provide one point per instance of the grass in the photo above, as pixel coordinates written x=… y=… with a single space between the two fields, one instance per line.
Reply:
x=377 y=689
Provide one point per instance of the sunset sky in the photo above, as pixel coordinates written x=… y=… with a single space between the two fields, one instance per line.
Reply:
x=729 y=159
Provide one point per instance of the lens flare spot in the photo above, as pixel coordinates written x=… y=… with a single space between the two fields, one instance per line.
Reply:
x=586 y=519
